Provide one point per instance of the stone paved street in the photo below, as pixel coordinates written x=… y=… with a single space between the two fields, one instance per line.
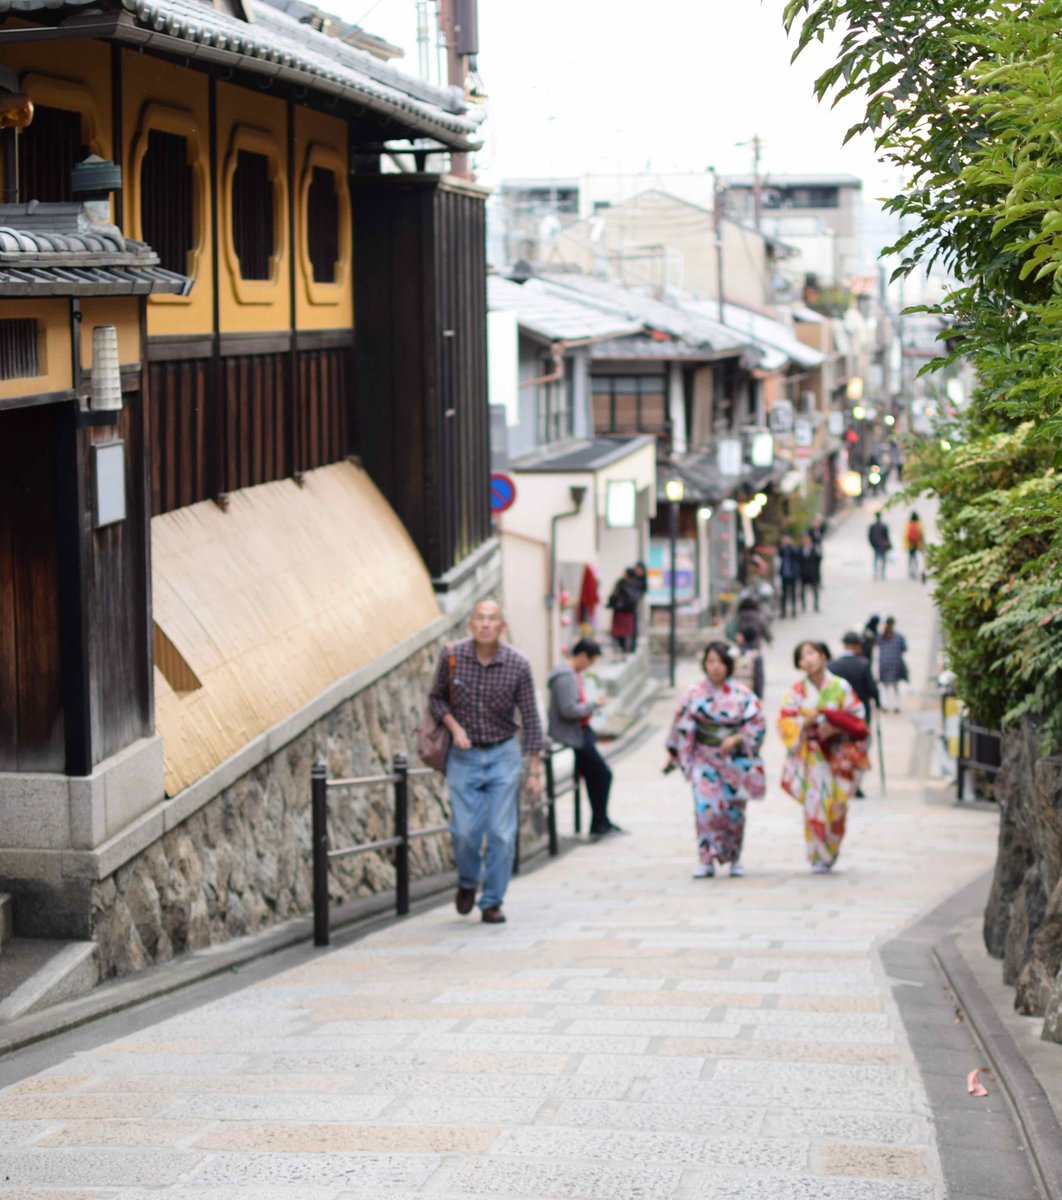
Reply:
x=630 y=1034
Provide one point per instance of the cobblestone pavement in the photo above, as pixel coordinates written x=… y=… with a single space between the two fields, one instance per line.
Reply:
x=631 y=1034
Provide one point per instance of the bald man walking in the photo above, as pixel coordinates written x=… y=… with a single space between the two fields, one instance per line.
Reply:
x=478 y=703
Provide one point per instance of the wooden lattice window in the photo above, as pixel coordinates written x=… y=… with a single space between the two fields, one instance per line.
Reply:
x=322 y=225
x=48 y=150
x=253 y=219
x=167 y=199
x=18 y=349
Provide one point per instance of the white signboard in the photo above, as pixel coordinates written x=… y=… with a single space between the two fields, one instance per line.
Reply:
x=621 y=504
x=728 y=456
x=803 y=433
x=781 y=416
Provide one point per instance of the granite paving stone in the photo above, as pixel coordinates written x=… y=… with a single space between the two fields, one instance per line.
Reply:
x=734 y=1153
x=304 y=1137
x=218 y=1106
x=381 y=1171
x=886 y=1162
x=97 y=1167
x=518 y=1180
x=125 y=1132
x=22 y=1133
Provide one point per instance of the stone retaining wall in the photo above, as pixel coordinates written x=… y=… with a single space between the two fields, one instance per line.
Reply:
x=1023 y=920
x=242 y=862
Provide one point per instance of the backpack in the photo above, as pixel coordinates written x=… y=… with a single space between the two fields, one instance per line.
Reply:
x=745 y=668
x=914 y=535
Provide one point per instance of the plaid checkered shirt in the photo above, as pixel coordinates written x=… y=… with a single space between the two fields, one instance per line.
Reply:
x=485 y=697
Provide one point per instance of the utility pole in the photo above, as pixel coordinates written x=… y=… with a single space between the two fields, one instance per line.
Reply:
x=717 y=224
x=757 y=182
x=457 y=30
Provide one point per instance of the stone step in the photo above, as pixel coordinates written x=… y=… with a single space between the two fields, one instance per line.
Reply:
x=7 y=918
x=40 y=972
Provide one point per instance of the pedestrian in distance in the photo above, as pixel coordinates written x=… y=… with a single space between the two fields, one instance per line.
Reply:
x=748 y=661
x=914 y=540
x=715 y=739
x=822 y=725
x=637 y=578
x=892 y=669
x=855 y=668
x=477 y=699
x=881 y=544
x=749 y=614
x=623 y=601
x=810 y=571
x=818 y=529
x=789 y=573
x=570 y=713
x=870 y=637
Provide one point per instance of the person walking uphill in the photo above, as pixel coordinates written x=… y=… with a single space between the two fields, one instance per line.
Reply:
x=569 y=724
x=825 y=735
x=716 y=739
x=477 y=701
x=881 y=543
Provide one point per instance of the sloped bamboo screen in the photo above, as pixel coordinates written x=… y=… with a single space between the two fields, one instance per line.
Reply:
x=269 y=603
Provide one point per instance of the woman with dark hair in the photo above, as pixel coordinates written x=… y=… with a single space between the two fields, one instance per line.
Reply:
x=716 y=739
x=824 y=729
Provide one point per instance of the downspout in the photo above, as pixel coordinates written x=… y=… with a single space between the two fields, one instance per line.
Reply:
x=577 y=495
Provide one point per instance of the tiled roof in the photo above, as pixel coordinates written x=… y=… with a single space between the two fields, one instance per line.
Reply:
x=588 y=456
x=76 y=257
x=695 y=328
x=554 y=315
x=278 y=45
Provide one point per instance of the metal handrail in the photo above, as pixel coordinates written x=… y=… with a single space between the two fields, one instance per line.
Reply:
x=399 y=776
x=964 y=762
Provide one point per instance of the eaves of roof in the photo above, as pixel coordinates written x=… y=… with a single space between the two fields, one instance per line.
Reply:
x=90 y=281
x=280 y=47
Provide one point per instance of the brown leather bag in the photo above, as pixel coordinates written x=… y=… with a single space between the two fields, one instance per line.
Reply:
x=432 y=738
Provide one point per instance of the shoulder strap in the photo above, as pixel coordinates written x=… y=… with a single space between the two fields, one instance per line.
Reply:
x=451 y=662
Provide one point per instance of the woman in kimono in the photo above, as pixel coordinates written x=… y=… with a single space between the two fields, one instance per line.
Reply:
x=823 y=726
x=716 y=740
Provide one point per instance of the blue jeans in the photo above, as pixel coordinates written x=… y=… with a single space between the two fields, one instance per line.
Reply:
x=484 y=785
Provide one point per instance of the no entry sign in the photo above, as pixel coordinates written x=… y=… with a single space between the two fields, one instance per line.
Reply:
x=502 y=492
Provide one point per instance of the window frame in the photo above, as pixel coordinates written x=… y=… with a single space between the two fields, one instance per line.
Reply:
x=180 y=122
x=255 y=141
x=640 y=380
x=335 y=293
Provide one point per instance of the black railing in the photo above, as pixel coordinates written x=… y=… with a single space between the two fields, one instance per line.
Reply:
x=400 y=775
x=976 y=744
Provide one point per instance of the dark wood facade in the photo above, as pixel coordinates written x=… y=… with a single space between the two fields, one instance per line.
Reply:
x=75 y=684
x=421 y=357
x=254 y=411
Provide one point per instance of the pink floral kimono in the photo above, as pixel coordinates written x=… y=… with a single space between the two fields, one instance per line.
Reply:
x=822 y=775
x=722 y=783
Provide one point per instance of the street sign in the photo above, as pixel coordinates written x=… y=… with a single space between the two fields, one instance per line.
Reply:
x=502 y=492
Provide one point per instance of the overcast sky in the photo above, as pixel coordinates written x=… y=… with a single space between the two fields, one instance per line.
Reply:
x=607 y=85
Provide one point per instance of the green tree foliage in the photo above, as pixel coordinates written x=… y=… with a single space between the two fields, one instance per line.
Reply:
x=965 y=97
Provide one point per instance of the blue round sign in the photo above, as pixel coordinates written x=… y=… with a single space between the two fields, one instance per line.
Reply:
x=502 y=492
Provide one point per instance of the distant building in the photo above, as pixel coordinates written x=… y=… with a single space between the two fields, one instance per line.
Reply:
x=795 y=207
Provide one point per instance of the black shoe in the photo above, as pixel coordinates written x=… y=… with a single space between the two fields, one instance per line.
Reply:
x=859 y=794
x=464 y=899
x=493 y=916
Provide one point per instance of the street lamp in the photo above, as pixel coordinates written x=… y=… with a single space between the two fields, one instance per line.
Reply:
x=674 y=490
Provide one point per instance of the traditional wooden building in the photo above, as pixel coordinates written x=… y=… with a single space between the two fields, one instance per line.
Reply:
x=296 y=461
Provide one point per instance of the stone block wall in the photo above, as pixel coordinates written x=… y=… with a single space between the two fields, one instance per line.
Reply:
x=242 y=862
x=1023 y=920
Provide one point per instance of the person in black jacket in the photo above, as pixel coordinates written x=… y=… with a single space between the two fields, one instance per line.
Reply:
x=810 y=571
x=789 y=571
x=853 y=666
